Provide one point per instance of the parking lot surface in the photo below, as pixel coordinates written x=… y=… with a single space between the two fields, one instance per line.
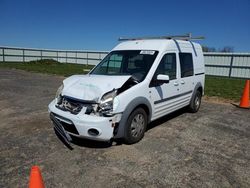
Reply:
x=208 y=149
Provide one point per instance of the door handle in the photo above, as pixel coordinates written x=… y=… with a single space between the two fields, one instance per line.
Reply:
x=182 y=82
x=176 y=84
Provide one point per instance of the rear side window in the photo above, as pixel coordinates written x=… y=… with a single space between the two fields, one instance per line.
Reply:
x=167 y=66
x=186 y=62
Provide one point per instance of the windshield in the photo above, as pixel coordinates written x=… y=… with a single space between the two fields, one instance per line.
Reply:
x=128 y=62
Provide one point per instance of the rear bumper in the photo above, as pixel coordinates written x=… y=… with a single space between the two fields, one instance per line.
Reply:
x=80 y=125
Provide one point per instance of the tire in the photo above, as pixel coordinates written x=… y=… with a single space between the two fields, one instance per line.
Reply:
x=195 y=102
x=136 y=126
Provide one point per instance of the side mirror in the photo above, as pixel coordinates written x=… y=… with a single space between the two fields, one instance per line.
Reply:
x=162 y=78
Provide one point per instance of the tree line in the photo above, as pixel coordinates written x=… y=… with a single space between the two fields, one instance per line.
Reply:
x=212 y=49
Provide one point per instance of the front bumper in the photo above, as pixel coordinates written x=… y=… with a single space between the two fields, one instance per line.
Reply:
x=82 y=125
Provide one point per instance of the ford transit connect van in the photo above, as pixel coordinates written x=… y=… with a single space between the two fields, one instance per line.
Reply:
x=139 y=81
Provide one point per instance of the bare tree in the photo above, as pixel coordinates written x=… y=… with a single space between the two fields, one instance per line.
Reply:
x=208 y=49
x=227 y=49
x=212 y=49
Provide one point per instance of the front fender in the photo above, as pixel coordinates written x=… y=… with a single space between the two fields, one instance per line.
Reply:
x=128 y=110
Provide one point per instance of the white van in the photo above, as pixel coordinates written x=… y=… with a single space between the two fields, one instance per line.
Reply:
x=139 y=81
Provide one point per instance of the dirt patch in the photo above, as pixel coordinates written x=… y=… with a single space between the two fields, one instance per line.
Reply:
x=219 y=100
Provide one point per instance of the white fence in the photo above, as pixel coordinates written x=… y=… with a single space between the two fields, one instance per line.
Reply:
x=236 y=65
x=10 y=54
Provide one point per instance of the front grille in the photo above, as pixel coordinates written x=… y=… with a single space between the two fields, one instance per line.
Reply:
x=74 y=106
x=69 y=127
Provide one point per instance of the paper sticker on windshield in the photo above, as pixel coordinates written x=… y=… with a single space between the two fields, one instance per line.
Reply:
x=147 y=52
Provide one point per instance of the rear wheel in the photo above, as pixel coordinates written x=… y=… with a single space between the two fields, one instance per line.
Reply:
x=195 y=102
x=136 y=126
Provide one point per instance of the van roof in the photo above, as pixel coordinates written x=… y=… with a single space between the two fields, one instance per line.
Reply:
x=156 y=44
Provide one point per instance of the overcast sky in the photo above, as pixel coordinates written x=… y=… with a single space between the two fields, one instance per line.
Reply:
x=96 y=25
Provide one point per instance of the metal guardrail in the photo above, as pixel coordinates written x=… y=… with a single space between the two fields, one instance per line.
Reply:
x=232 y=65
x=13 y=54
x=235 y=65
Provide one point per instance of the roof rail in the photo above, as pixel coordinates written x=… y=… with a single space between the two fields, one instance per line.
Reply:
x=186 y=37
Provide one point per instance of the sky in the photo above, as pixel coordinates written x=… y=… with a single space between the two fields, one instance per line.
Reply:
x=96 y=25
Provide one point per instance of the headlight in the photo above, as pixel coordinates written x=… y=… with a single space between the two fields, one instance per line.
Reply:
x=106 y=104
x=58 y=93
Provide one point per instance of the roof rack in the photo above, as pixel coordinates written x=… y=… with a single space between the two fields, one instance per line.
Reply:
x=186 y=37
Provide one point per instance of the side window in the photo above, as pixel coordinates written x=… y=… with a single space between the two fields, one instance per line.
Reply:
x=186 y=62
x=167 y=66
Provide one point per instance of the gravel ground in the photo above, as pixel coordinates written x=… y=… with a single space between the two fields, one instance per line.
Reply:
x=208 y=149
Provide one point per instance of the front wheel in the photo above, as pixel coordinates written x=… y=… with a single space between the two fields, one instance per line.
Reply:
x=195 y=102
x=136 y=126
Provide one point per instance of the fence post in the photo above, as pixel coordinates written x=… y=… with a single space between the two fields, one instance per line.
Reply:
x=3 y=56
x=231 y=64
x=57 y=56
x=87 y=58
x=23 y=56
x=100 y=56
x=76 y=57
x=66 y=57
x=41 y=54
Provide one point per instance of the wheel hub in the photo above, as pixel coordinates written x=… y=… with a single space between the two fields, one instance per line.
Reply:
x=137 y=125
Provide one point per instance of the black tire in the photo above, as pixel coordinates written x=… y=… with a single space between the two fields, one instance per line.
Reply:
x=136 y=126
x=195 y=102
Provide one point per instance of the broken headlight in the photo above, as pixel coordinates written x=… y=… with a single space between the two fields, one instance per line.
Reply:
x=106 y=104
x=58 y=94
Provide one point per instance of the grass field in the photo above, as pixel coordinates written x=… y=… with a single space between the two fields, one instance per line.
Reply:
x=226 y=88
x=49 y=66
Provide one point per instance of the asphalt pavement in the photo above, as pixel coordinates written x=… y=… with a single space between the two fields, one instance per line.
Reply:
x=210 y=148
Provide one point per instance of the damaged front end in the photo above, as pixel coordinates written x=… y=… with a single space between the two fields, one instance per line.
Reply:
x=75 y=106
x=105 y=107
x=96 y=118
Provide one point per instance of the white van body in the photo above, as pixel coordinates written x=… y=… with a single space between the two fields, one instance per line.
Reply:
x=118 y=101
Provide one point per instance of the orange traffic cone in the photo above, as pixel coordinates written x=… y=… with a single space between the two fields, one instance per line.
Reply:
x=36 y=180
x=244 y=102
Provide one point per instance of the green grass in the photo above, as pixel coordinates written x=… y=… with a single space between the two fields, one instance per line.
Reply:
x=49 y=67
x=227 y=88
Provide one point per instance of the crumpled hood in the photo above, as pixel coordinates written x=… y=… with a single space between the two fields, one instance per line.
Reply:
x=91 y=87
